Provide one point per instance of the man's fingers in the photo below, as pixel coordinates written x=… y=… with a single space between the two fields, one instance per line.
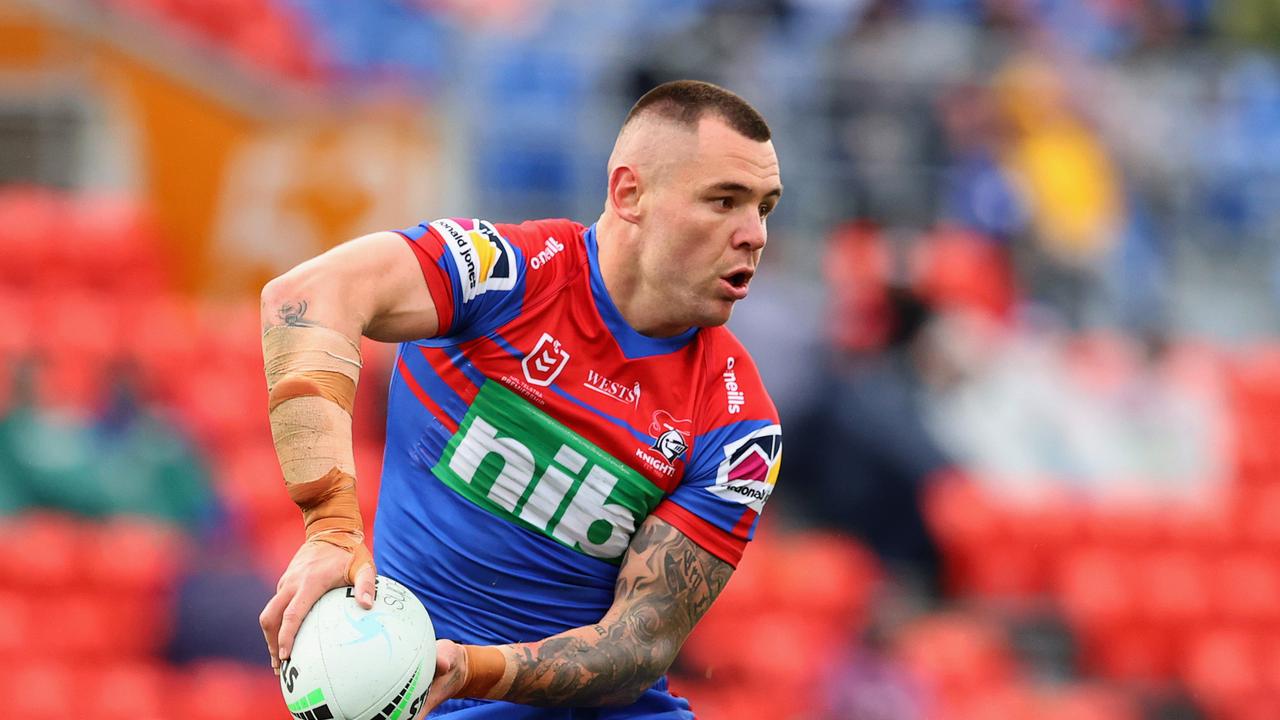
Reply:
x=269 y=619
x=365 y=586
x=291 y=618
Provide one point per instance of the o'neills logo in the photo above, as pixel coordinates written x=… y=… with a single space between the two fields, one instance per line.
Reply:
x=732 y=390
x=548 y=251
x=617 y=391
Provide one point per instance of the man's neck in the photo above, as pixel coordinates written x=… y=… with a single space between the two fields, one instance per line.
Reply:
x=624 y=279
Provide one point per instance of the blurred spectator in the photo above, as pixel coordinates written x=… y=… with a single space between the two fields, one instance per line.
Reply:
x=1034 y=411
x=124 y=460
x=46 y=453
x=977 y=191
x=859 y=454
x=1072 y=188
x=144 y=465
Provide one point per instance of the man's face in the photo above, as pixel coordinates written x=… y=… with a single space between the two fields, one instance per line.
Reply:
x=703 y=226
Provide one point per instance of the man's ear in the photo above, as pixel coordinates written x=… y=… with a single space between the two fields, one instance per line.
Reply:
x=624 y=193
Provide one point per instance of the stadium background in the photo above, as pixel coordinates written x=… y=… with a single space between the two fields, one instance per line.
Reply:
x=1019 y=313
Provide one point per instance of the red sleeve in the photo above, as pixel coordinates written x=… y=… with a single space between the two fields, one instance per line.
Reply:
x=723 y=545
x=436 y=276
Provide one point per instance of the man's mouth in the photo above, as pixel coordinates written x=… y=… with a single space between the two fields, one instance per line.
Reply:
x=739 y=279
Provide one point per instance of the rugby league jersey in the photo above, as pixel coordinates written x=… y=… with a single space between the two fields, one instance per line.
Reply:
x=531 y=438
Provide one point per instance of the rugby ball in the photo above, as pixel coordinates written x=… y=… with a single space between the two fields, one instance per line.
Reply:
x=349 y=663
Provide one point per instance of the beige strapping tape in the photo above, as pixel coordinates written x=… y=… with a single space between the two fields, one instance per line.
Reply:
x=288 y=348
x=312 y=436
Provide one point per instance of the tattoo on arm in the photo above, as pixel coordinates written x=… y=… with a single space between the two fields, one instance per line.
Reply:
x=292 y=313
x=665 y=585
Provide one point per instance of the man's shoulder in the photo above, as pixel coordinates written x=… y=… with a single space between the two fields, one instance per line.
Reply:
x=544 y=238
x=736 y=390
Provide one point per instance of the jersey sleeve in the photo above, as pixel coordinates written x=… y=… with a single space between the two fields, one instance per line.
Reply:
x=733 y=466
x=478 y=272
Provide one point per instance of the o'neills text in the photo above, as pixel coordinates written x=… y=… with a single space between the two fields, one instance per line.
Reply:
x=736 y=397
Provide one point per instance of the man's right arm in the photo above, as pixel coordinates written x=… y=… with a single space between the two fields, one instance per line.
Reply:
x=370 y=286
x=312 y=320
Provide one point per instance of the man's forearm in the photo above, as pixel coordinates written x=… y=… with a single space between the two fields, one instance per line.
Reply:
x=667 y=584
x=311 y=373
x=594 y=665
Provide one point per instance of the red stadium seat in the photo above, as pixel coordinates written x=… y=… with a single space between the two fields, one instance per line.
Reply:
x=40 y=690
x=1087 y=702
x=1005 y=701
x=1246 y=587
x=18 y=331
x=135 y=556
x=962 y=516
x=956 y=654
x=1142 y=654
x=250 y=482
x=116 y=245
x=45 y=551
x=79 y=626
x=1010 y=571
x=826 y=576
x=1173 y=587
x=1132 y=528
x=31 y=222
x=141 y=624
x=1258 y=516
x=1097 y=588
x=17 y=632
x=224 y=406
x=1223 y=665
x=128 y=691
x=1204 y=530
x=215 y=690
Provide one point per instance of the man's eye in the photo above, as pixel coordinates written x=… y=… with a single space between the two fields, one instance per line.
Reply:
x=725 y=203
x=765 y=209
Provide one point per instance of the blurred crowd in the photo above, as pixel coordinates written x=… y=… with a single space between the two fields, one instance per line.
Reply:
x=1018 y=313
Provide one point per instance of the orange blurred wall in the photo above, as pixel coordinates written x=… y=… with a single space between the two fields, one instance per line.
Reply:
x=244 y=181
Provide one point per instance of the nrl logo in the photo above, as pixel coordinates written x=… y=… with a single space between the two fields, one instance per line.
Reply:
x=545 y=361
x=670 y=436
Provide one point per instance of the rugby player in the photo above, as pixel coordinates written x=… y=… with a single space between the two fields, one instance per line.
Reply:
x=577 y=449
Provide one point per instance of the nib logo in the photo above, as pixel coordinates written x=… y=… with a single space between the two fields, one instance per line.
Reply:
x=545 y=361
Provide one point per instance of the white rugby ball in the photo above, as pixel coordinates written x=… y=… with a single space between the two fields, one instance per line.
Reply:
x=349 y=663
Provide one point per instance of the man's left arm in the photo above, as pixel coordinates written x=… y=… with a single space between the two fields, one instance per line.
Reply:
x=665 y=584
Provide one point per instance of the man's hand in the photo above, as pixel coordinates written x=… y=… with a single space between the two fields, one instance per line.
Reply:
x=451 y=675
x=316 y=568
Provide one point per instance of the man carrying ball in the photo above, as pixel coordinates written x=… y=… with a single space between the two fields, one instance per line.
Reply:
x=577 y=449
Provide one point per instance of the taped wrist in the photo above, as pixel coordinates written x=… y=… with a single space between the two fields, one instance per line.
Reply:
x=331 y=514
x=486 y=668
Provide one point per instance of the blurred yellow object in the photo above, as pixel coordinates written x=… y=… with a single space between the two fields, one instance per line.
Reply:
x=1065 y=171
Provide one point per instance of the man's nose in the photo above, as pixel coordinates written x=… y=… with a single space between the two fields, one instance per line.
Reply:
x=751 y=235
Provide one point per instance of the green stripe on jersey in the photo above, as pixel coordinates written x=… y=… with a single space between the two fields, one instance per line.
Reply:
x=524 y=466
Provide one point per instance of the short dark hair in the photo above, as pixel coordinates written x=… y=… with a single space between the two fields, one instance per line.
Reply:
x=686 y=101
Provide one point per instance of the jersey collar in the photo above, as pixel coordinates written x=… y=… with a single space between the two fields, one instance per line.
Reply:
x=634 y=345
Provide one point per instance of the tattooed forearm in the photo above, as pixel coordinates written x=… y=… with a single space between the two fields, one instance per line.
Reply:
x=665 y=585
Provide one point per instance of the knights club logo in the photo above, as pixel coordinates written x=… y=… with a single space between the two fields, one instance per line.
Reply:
x=670 y=436
x=545 y=361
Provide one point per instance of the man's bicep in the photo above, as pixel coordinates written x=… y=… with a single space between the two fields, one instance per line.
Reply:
x=383 y=275
x=372 y=285
x=667 y=582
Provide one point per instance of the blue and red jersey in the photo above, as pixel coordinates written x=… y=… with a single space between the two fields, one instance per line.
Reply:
x=528 y=441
